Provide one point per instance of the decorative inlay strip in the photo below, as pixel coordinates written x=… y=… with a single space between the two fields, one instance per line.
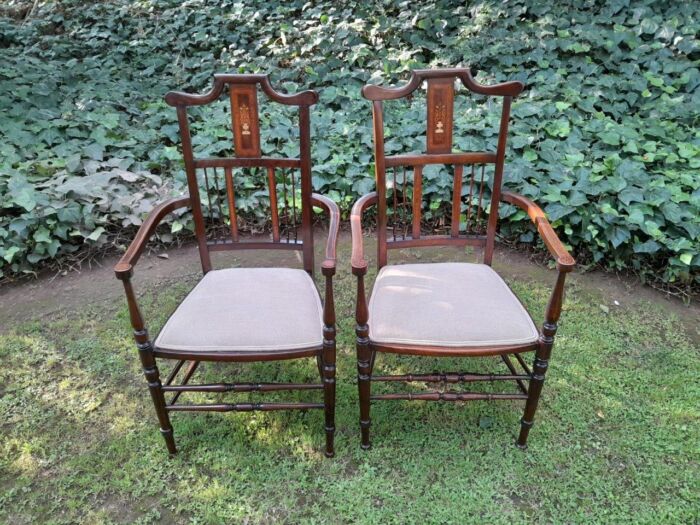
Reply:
x=440 y=106
x=244 y=118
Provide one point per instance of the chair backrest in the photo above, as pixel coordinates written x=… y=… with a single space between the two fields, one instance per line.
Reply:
x=404 y=203
x=212 y=181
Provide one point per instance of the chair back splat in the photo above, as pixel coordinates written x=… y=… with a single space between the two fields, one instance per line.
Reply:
x=400 y=194
x=212 y=182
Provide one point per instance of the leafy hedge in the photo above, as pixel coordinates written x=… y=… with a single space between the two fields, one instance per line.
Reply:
x=605 y=137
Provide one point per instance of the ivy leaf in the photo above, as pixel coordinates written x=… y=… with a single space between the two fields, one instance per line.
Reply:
x=687 y=151
x=529 y=155
x=10 y=253
x=609 y=137
x=647 y=247
x=95 y=151
x=42 y=235
x=619 y=236
x=96 y=233
x=22 y=193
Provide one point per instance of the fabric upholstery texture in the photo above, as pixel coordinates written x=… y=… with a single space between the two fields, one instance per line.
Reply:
x=446 y=304
x=247 y=309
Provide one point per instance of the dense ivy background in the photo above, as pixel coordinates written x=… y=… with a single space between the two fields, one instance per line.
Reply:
x=605 y=137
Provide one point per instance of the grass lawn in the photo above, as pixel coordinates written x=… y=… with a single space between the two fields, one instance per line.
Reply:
x=617 y=438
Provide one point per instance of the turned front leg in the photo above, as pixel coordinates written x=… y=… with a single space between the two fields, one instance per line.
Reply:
x=328 y=368
x=539 y=368
x=148 y=361
x=150 y=370
x=364 y=358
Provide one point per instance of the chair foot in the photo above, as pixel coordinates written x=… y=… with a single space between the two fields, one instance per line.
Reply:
x=330 y=438
x=365 y=444
x=525 y=427
x=169 y=440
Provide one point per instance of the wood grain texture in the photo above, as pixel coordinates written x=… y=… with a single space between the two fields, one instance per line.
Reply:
x=357 y=259
x=565 y=262
x=244 y=120
x=333 y=212
x=472 y=157
x=125 y=265
x=440 y=104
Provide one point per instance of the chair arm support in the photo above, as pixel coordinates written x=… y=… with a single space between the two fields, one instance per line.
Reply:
x=328 y=266
x=124 y=267
x=358 y=261
x=565 y=262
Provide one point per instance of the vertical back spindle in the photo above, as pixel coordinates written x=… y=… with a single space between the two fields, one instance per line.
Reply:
x=207 y=189
x=218 y=197
x=417 y=198
x=273 y=204
x=286 y=206
x=456 y=201
x=393 y=210
x=469 y=200
x=404 y=205
x=481 y=196
x=233 y=218
x=294 y=205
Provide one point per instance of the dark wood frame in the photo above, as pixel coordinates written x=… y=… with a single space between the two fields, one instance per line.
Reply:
x=529 y=382
x=242 y=88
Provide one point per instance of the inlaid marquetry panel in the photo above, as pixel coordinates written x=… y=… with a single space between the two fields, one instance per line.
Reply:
x=244 y=118
x=440 y=103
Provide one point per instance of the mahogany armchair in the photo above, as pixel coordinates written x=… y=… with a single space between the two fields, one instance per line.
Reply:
x=242 y=314
x=447 y=309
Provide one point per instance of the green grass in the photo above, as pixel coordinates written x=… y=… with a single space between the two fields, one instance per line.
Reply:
x=616 y=440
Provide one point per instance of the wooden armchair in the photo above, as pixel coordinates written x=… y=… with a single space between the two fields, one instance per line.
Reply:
x=242 y=314
x=447 y=309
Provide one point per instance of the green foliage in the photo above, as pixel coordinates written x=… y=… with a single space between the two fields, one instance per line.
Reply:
x=605 y=137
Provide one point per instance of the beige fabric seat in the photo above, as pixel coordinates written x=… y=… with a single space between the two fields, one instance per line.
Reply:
x=247 y=309
x=446 y=304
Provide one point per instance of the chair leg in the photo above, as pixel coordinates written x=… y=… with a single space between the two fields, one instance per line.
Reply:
x=539 y=369
x=328 y=361
x=364 y=375
x=156 y=388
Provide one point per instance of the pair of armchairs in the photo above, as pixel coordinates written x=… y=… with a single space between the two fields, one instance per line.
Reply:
x=265 y=314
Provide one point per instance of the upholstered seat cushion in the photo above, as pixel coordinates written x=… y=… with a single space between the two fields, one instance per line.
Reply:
x=446 y=304
x=247 y=309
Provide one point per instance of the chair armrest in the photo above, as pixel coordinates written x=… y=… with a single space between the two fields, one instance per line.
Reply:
x=565 y=262
x=358 y=261
x=334 y=214
x=124 y=267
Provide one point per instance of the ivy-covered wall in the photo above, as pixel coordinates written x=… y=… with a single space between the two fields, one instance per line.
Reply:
x=605 y=137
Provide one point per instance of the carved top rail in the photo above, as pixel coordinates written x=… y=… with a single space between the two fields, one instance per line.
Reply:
x=373 y=92
x=179 y=98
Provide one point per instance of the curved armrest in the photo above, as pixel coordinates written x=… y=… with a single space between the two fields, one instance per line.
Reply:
x=126 y=264
x=565 y=263
x=358 y=261
x=334 y=213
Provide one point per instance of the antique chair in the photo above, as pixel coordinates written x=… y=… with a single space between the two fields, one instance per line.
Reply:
x=242 y=314
x=447 y=309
